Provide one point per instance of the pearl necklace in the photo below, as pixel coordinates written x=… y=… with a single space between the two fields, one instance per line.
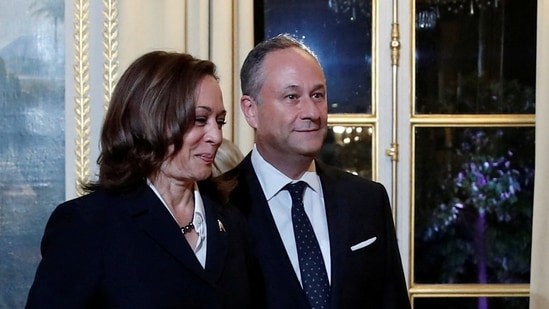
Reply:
x=187 y=228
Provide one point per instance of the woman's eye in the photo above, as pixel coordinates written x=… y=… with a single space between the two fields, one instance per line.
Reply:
x=203 y=121
x=200 y=120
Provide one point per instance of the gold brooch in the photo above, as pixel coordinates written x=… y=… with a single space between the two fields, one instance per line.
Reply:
x=221 y=227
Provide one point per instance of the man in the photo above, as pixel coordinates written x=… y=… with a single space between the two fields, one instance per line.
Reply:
x=284 y=101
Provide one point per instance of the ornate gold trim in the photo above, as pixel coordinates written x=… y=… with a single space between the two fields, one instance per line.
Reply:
x=470 y=290
x=110 y=45
x=82 y=97
x=515 y=120
x=392 y=152
x=395 y=44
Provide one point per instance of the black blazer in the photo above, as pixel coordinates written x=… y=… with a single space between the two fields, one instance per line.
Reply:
x=127 y=251
x=357 y=210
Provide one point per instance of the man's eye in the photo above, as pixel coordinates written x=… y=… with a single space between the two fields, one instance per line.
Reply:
x=291 y=96
x=318 y=95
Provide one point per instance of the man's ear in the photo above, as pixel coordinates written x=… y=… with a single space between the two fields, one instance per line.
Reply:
x=248 y=107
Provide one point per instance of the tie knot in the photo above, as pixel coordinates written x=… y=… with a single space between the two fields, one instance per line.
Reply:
x=296 y=190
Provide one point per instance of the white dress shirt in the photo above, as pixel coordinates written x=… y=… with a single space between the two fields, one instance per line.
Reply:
x=199 y=222
x=280 y=203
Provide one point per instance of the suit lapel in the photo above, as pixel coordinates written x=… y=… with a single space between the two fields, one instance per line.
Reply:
x=267 y=243
x=151 y=216
x=217 y=240
x=338 y=225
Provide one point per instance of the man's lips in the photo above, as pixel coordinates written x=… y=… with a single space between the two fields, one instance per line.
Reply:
x=307 y=130
x=308 y=126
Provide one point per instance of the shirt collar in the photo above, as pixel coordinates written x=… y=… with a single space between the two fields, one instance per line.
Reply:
x=198 y=203
x=199 y=215
x=272 y=180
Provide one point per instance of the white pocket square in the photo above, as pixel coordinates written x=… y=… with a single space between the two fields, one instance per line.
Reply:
x=363 y=244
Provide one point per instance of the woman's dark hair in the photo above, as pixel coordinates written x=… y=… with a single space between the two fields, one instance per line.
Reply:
x=152 y=106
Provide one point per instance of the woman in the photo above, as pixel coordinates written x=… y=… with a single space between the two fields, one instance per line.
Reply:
x=151 y=233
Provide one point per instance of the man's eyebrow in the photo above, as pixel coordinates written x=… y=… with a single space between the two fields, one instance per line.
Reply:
x=319 y=87
x=315 y=87
x=291 y=87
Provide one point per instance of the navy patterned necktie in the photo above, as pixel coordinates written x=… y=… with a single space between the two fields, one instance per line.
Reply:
x=313 y=272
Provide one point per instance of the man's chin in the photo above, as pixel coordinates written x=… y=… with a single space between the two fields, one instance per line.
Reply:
x=311 y=152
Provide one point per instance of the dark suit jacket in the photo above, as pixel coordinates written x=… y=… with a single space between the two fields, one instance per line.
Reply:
x=357 y=210
x=127 y=251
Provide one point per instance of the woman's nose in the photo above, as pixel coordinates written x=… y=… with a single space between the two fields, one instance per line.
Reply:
x=215 y=135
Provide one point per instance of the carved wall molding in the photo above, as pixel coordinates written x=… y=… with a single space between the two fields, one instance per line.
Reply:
x=85 y=121
x=82 y=93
